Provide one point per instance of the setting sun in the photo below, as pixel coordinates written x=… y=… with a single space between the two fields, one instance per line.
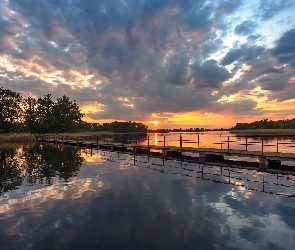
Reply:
x=154 y=122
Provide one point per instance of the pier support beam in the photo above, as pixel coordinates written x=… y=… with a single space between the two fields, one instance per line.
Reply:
x=205 y=157
x=263 y=163
x=139 y=150
x=174 y=154
x=274 y=164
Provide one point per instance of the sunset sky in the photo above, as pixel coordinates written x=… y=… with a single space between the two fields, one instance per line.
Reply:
x=174 y=63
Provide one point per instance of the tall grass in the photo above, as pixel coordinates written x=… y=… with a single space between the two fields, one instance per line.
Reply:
x=86 y=135
x=89 y=133
x=19 y=138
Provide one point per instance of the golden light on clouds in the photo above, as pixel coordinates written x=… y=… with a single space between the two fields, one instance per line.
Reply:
x=247 y=67
x=275 y=106
x=80 y=78
x=198 y=120
x=154 y=61
x=5 y=62
x=154 y=122
x=229 y=98
x=238 y=74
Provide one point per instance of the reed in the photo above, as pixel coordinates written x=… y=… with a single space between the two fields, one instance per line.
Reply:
x=89 y=133
x=86 y=135
x=14 y=137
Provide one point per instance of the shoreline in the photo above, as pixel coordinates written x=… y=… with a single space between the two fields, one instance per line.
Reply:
x=259 y=132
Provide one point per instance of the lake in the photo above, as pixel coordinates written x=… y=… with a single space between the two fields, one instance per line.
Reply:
x=219 y=139
x=55 y=197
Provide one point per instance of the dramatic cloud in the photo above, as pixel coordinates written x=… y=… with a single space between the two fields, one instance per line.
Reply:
x=132 y=60
x=244 y=54
x=269 y=8
x=245 y=28
x=232 y=56
x=209 y=75
x=284 y=50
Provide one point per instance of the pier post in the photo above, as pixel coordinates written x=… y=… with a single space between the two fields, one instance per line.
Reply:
x=148 y=145
x=134 y=152
x=164 y=150
x=201 y=157
x=198 y=140
x=180 y=142
x=263 y=163
x=97 y=142
x=262 y=146
x=246 y=142
x=228 y=145
x=202 y=171
x=277 y=144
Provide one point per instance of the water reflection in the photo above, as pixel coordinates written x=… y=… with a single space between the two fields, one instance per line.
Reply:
x=246 y=180
x=37 y=165
x=156 y=139
x=223 y=140
x=10 y=171
x=113 y=203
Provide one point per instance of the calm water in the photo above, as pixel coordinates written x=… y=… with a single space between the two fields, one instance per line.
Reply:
x=65 y=198
x=219 y=139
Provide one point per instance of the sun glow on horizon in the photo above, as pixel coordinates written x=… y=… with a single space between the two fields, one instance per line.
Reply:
x=156 y=123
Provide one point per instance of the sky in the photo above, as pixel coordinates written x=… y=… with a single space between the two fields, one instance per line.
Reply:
x=165 y=63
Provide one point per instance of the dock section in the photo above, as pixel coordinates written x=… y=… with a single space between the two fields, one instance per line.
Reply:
x=265 y=161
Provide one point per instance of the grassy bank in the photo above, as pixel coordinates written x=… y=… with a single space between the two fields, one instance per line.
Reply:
x=87 y=135
x=20 y=138
x=263 y=132
x=92 y=134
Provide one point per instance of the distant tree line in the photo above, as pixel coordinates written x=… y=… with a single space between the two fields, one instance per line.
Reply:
x=167 y=130
x=192 y=130
x=266 y=124
x=45 y=115
x=116 y=127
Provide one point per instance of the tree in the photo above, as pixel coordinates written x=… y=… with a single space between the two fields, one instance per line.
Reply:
x=44 y=115
x=30 y=114
x=67 y=115
x=10 y=110
x=124 y=127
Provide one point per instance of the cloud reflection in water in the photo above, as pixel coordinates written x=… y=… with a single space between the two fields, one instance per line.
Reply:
x=106 y=205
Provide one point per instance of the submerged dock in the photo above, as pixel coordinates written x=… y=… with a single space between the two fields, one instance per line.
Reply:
x=273 y=162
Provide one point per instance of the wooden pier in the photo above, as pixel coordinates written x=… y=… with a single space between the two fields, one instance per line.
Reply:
x=259 y=160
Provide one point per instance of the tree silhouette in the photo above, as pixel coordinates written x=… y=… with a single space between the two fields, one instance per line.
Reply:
x=10 y=110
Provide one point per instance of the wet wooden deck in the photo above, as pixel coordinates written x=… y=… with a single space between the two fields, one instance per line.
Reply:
x=266 y=161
